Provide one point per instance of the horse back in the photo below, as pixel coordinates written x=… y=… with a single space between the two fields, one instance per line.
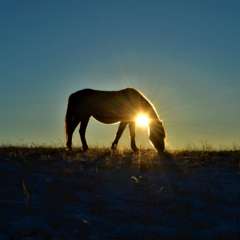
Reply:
x=106 y=106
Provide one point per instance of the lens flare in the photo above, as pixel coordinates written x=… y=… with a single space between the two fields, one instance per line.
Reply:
x=142 y=120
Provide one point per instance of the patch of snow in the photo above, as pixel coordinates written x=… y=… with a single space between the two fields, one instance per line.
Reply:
x=60 y=199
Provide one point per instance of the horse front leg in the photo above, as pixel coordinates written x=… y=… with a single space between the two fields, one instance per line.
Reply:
x=82 y=132
x=119 y=133
x=132 y=136
x=70 y=127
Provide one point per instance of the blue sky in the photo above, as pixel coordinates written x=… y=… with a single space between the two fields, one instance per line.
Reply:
x=183 y=55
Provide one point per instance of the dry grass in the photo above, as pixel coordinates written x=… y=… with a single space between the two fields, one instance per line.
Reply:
x=94 y=187
x=124 y=157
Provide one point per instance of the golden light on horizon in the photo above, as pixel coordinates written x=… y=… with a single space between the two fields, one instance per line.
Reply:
x=142 y=120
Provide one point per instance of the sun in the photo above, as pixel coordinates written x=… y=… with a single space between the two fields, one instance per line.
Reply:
x=142 y=120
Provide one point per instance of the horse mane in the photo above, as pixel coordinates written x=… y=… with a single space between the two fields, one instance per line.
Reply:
x=150 y=109
x=146 y=103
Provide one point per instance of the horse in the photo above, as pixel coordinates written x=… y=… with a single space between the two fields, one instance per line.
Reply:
x=111 y=107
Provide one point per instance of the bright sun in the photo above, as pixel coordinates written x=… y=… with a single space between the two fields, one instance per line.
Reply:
x=142 y=120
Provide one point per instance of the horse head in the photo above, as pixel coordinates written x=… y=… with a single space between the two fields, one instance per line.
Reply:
x=157 y=135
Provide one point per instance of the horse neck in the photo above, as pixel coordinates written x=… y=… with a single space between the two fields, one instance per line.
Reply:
x=152 y=114
x=148 y=108
x=155 y=126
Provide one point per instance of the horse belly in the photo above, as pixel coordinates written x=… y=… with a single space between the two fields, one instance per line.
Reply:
x=106 y=119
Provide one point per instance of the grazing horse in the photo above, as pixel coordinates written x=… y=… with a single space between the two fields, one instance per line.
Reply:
x=111 y=107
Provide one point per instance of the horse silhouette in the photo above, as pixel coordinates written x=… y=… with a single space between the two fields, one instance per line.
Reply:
x=111 y=107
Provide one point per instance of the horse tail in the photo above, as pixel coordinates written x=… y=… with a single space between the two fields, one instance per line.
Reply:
x=69 y=116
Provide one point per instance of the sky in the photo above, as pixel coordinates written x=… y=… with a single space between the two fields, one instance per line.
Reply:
x=184 y=56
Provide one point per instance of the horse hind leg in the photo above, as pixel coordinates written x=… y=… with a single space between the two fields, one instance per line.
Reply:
x=119 y=133
x=82 y=132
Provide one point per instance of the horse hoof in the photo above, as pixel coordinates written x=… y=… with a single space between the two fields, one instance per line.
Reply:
x=114 y=146
x=85 y=149
x=136 y=150
x=68 y=148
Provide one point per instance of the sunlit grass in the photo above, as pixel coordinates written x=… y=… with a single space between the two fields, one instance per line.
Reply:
x=191 y=148
x=206 y=149
x=123 y=157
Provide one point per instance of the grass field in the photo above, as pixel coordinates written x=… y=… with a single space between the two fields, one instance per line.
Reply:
x=49 y=193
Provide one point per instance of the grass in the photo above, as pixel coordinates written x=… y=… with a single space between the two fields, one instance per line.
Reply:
x=204 y=149
x=191 y=155
x=53 y=175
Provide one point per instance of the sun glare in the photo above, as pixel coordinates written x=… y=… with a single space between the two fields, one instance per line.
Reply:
x=142 y=120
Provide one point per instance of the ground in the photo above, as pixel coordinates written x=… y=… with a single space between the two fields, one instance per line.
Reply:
x=103 y=194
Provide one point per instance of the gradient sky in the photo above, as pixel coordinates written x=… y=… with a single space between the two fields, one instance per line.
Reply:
x=183 y=55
